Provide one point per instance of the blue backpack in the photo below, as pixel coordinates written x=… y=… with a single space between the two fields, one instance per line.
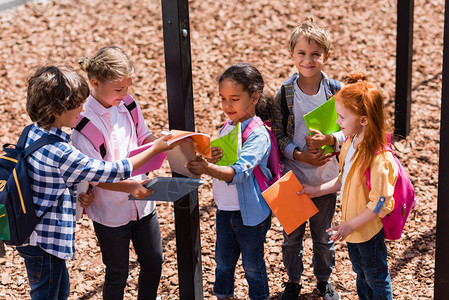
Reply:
x=17 y=212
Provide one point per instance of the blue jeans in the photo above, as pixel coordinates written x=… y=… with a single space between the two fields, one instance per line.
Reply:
x=47 y=274
x=114 y=244
x=369 y=261
x=234 y=238
x=323 y=249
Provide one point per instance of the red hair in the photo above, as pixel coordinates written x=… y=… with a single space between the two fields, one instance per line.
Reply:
x=363 y=98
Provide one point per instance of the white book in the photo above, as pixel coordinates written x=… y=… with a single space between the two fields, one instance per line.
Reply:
x=80 y=188
x=179 y=156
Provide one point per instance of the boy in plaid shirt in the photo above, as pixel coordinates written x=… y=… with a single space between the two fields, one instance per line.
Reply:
x=55 y=99
x=301 y=93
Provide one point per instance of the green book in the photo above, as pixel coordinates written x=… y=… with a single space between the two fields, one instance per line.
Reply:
x=323 y=118
x=230 y=144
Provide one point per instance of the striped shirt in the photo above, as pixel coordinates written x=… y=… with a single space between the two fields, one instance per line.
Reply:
x=54 y=171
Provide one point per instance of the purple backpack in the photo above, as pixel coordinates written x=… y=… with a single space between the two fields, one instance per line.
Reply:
x=273 y=159
x=404 y=200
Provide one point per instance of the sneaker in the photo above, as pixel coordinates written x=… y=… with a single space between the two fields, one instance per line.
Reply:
x=327 y=291
x=291 y=291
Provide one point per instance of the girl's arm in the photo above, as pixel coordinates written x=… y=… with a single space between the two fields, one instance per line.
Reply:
x=149 y=139
x=160 y=145
x=346 y=228
x=319 y=190
x=200 y=166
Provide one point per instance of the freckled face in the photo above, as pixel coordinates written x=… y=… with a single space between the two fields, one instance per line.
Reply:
x=110 y=93
x=237 y=103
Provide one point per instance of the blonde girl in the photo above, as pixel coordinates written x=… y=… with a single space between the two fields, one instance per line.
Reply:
x=361 y=116
x=117 y=220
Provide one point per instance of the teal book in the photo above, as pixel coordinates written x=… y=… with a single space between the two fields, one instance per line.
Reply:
x=230 y=144
x=324 y=119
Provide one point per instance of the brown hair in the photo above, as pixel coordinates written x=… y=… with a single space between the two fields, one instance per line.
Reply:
x=251 y=81
x=108 y=64
x=312 y=32
x=53 y=90
x=363 y=98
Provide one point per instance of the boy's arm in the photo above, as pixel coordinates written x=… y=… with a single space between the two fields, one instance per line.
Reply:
x=285 y=144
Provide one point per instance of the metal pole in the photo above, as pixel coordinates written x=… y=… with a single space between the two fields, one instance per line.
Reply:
x=404 y=54
x=178 y=67
x=441 y=285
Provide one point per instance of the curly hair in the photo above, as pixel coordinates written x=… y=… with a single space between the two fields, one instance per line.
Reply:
x=52 y=91
x=252 y=81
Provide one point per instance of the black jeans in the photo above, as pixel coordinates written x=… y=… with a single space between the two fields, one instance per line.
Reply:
x=114 y=244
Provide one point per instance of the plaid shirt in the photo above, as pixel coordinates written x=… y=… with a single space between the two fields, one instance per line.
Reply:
x=54 y=171
x=285 y=139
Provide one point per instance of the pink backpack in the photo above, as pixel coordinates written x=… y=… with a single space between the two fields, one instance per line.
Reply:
x=94 y=135
x=404 y=200
x=274 y=158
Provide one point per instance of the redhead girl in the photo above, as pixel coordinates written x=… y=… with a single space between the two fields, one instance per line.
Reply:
x=361 y=116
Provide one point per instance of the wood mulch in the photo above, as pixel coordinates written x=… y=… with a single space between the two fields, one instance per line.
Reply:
x=222 y=33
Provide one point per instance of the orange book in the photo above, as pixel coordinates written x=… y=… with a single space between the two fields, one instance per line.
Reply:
x=201 y=141
x=290 y=208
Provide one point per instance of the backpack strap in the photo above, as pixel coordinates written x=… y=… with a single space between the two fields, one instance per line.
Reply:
x=45 y=140
x=23 y=137
x=284 y=109
x=253 y=124
x=131 y=105
x=334 y=86
x=262 y=181
x=367 y=172
x=92 y=133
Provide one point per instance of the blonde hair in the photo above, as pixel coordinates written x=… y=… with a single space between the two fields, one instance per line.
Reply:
x=108 y=64
x=312 y=32
x=52 y=91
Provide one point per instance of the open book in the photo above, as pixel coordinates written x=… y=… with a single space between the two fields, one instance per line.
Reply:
x=290 y=208
x=179 y=156
x=201 y=141
x=323 y=118
x=170 y=188
x=152 y=164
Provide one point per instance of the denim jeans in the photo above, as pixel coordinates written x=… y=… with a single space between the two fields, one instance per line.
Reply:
x=114 y=244
x=369 y=262
x=234 y=238
x=47 y=274
x=323 y=249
